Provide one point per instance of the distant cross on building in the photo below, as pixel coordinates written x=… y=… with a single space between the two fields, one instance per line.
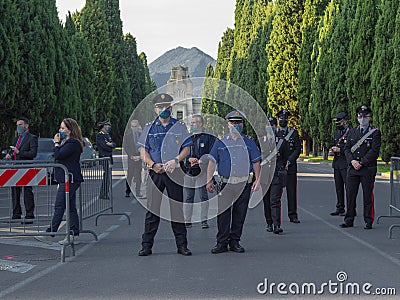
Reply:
x=181 y=88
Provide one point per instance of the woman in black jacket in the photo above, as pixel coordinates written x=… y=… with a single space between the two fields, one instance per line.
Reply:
x=68 y=147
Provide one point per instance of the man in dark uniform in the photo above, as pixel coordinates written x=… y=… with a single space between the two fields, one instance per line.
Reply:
x=339 y=163
x=24 y=148
x=134 y=163
x=272 y=198
x=196 y=170
x=292 y=136
x=105 y=146
x=162 y=145
x=362 y=151
x=236 y=156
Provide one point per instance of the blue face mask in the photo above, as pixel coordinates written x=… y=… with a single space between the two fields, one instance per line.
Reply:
x=237 y=128
x=20 y=129
x=164 y=114
x=193 y=128
x=63 y=135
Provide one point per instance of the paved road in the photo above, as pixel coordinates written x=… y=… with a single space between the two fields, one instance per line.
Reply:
x=313 y=252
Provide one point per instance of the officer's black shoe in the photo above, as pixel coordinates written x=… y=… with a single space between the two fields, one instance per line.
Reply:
x=16 y=217
x=145 y=252
x=368 y=226
x=337 y=213
x=127 y=195
x=235 y=247
x=346 y=225
x=294 y=220
x=219 y=249
x=269 y=228
x=184 y=251
x=277 y=229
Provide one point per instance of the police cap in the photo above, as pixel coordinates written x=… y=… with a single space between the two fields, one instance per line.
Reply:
x=103 y=123
x=235 y=115
x=339 y=117
x=162 y=99
x=283 y=113
x=363 y=110
x=272 y=121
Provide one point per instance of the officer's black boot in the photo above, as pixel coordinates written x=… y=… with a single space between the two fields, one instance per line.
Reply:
x=277 y=229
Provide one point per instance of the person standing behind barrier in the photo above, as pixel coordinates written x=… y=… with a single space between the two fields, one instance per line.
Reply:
x=163 y=144
x=339 y=163
x=272 y=198
x=134 y=163
x=24 y=148
x=237 y=156
x=196 y=170
x=291 y=165
x=68 y=147
x=105 y=146
x=362 y=152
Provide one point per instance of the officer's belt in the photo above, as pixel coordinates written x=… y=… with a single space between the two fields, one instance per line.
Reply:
x=236 y=179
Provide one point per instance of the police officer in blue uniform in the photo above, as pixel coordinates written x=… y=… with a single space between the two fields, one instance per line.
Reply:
x=195 y=167
x=236 y=156
x=272 y=198
x=339 y=163
x=362 y=151
x=294 y=153
x=105 y=146
x=163 y=144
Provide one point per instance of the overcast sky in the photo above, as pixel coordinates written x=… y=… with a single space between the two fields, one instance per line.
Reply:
x=161 y=25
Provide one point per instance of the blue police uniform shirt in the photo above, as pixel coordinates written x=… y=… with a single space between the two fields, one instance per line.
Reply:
x=164 y=143
x=235 y=157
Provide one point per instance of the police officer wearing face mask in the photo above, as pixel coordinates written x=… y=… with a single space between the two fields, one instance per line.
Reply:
x=105 y=146
x=339 y=163
x=362 y=151
x=163 y=144
x=236 y=156
x=292 y=137
x=272 y=197
x=24 y=148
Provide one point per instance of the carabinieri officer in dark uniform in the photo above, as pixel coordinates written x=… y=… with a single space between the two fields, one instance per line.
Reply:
x=236 y=156
x=162 y=145
x=362 y=151
x=294 y=153
x=272 y=198
x=339 y=163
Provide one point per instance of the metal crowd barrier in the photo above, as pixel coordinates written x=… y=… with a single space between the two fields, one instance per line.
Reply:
x=394 y=205
x=95 y=194
x=38 y=176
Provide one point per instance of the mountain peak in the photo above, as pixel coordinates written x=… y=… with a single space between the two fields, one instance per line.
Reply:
x=193 y=58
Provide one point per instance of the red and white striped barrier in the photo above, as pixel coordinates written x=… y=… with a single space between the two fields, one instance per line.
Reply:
x=23 y=177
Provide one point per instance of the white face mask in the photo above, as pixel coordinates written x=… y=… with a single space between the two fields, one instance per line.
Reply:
x=363 y=121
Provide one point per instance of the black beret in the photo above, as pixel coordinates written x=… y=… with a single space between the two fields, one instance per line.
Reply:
x=283 y=113
x=340 y=116
x=272 y=121
x=363 y=109
x=161 y=99
x=235 y=115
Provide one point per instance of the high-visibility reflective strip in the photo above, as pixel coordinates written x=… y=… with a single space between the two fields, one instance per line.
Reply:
x=23 y=177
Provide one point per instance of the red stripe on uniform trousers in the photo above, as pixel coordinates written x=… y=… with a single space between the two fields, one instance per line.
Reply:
x=27 y=177
x=7 y=175
x=373 y=202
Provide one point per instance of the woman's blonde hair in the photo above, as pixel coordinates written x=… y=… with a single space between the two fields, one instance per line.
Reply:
x=75 y=130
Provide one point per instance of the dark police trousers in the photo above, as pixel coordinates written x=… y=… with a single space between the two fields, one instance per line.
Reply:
x=134 y=176
x=155 y=187
x=106 y=182
x=28 y=200
x=365 y=176
x=231 y=213
x=272 y=201
x=340 y=176
x=291 y=193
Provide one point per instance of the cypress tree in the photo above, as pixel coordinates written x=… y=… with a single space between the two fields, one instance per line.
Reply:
x=284 y=54
x=382 y=89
